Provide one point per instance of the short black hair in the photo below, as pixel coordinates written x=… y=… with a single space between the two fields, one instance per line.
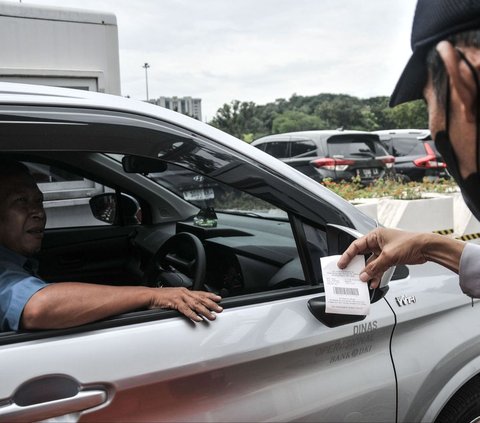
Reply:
x=435 y=64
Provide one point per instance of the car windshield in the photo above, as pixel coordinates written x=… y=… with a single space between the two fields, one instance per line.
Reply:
x=205 y=192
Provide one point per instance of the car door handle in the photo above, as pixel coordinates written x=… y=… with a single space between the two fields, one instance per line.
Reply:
x=41 y=411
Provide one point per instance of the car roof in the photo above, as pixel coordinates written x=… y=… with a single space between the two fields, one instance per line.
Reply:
x=387 y=134
x=42 y=95
x=316 y=135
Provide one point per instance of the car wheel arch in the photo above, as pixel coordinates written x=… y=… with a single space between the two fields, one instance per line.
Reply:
x=455 y=384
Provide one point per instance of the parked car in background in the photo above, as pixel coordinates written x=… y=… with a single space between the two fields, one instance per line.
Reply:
x=335 y=154
x=416 y=156
x=273 y=354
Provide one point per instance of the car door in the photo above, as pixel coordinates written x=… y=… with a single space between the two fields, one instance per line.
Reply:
x=257 y=362
x=436 y=341
x=267 y=357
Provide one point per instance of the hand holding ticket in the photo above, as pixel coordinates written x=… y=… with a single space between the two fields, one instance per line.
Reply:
x=345 y=293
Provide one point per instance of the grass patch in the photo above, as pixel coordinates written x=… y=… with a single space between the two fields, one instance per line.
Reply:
x=391 y=188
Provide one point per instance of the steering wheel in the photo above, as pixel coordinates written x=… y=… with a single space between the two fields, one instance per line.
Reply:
x=179 y=262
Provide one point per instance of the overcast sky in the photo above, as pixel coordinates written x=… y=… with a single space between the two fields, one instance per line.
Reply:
x=257 y=50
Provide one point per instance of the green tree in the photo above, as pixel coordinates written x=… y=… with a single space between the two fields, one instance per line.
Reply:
x=249 y=121
x=238 y=118
x=295 y=121
x=408 y=115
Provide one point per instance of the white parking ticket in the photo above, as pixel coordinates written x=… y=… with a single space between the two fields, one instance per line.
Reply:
x=345 y=293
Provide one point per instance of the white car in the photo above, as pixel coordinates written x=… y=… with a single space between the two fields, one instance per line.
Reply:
x=138 y=194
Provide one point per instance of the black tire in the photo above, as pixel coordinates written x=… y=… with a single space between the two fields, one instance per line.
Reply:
x=464 y=406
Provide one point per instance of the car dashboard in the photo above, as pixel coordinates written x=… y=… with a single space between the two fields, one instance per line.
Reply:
x=254 y=255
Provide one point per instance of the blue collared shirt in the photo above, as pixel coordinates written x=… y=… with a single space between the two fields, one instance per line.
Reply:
x=17 y=285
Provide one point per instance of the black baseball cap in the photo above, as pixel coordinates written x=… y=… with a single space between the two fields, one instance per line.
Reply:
x=433 y=22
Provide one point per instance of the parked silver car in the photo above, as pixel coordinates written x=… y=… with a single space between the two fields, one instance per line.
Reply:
x=273 y=354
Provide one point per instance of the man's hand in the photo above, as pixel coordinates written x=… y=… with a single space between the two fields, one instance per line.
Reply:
x=193 y=304
x=68 y=304
x=389 y=247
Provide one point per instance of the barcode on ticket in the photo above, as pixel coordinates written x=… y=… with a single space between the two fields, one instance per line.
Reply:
x=345 y=291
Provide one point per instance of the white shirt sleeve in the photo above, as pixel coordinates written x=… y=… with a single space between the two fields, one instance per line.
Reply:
x=469 y=271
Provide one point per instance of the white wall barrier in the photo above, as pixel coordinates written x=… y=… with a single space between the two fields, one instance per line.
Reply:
x=368 y=206
x=465 y=226
x=443 y=213
x=423 y=215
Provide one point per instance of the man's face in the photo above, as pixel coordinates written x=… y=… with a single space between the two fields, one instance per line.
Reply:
x=461 y=125
x=22 y=216
x=436 y=114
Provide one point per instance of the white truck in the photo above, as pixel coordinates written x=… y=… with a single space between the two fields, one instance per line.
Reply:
x=61 y=47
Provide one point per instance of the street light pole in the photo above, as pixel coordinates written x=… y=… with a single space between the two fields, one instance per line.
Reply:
x=146 y=66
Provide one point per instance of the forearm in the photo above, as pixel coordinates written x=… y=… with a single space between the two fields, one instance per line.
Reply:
x=443 y=250
x=70 y=304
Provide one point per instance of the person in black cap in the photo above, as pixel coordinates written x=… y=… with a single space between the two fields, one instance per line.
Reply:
x=443 y=70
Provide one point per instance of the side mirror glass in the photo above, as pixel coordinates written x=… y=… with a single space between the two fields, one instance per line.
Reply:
x=106 y=208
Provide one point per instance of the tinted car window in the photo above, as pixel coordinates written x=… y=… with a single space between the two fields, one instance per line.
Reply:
x=347 y=146
x=203 y=192
x=277 y=149
x=302 y=148
x=407 y=147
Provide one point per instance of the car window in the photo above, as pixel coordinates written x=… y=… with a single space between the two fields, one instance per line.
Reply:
x=408 y=146
x=278 y=149
x=354 y=146
x=251 y=246
x=66 y=196
x=205 y=192
x=303 y=148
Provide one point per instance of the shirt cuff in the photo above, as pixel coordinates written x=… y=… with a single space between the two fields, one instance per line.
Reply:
x=469 y=271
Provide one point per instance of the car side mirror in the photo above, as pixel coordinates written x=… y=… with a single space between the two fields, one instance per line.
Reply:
x=338 y=239
x=107 y=208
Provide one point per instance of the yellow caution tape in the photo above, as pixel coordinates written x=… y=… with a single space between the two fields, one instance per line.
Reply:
x=444 y=231
x=468 y=237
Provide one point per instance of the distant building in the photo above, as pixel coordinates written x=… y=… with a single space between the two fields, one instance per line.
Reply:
x=185 y=105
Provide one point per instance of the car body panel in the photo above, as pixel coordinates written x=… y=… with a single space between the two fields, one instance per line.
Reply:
x=270 y=362
x=429 y=354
